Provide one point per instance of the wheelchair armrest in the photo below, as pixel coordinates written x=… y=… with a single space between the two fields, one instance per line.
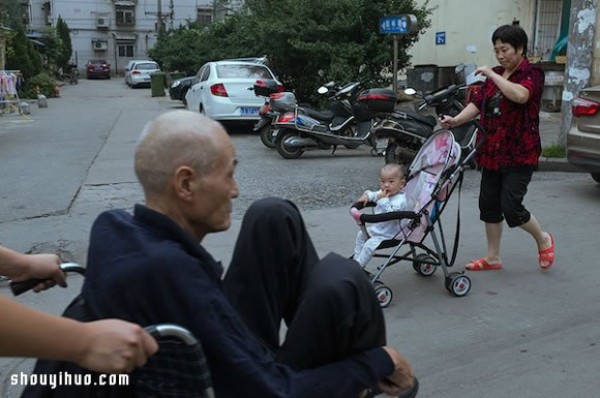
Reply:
x=394 y=215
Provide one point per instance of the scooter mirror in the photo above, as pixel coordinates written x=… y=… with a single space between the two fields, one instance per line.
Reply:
x=410 y=91
x=322 y=90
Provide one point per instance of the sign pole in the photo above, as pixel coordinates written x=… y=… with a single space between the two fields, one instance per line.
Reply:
x=397 y=25
x=395 y=66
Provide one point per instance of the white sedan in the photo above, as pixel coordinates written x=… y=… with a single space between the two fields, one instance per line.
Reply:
x=225 y=90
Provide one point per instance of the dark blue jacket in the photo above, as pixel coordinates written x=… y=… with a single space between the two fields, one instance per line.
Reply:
x=146 y=269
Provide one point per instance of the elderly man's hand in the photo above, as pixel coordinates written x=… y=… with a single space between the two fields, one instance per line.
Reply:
x=402 y=379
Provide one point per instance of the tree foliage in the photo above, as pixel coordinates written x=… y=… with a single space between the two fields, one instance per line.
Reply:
x=66 y=48
x=11 y=14
x=307 y=42
x=21 y=55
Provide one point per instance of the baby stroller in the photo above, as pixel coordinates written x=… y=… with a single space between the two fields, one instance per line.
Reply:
x=433 y=175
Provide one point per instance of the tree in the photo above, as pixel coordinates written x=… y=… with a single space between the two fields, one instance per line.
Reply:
x=66 y=48
x=307 y=43
x=11 y=14
x=21 y=55
x=337 y=37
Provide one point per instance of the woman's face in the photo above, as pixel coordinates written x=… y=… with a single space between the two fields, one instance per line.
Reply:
x=507 y=55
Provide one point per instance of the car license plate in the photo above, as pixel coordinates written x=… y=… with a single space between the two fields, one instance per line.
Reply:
x=248 y=111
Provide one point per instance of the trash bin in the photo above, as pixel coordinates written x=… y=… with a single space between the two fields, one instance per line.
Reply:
x=157 y=84
x=422 y=78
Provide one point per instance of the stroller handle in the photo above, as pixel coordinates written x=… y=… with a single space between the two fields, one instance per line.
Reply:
x=18 y=288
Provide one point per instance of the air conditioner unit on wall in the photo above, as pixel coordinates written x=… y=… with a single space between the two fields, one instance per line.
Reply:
x=102 y=22
x=100 y=45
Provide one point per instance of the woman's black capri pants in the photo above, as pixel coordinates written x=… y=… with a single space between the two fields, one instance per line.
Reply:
x=501 y=195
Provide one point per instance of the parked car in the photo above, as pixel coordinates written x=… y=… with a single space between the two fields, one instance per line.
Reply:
x=97 y=68
x=139 y=74
x=225 y=90
x=583 y=139
x=178 y=89
x=133 y=61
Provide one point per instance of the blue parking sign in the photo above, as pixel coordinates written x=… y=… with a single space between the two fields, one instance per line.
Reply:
x=440 y=38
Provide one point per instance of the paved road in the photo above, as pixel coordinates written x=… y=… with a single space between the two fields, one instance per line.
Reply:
x=519 y=333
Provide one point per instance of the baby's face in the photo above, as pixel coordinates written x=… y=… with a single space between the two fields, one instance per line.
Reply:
x=391 y=181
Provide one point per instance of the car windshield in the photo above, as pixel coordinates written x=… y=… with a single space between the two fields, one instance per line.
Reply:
x=243 y=71
x=147 y=66
x=97 y=61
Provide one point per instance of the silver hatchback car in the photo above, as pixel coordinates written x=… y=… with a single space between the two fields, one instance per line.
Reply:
x=583 y=139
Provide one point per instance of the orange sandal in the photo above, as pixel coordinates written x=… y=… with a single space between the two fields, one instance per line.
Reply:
x=546 y=258
x=482 y=265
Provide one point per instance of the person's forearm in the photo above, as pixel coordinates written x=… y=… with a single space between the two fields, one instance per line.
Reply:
x=513 y=91
x=54 y=337
x=466 y=115
x=10 y=261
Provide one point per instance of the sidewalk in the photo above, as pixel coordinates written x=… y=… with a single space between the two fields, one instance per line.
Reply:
x=549 y=131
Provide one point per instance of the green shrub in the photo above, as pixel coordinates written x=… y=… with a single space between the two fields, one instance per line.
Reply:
x=43 y=81
x=554 y=151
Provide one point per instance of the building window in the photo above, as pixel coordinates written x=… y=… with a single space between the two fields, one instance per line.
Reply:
x=125 y=50
x=204 y=16
x=124 y=16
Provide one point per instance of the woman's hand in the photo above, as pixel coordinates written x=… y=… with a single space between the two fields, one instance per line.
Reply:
x=447 y=122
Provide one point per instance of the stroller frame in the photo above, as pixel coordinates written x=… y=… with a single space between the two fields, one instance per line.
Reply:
x=427 y=216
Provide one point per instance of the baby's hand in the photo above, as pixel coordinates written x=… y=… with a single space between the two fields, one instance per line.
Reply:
x=364 y=199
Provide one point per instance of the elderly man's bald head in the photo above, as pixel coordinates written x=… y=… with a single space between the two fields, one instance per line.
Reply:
x=175 y=139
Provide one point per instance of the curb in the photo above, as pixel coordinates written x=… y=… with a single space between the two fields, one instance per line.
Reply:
x=557 y=164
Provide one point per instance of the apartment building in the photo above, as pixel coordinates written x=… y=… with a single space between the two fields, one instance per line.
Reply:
x=121 y=30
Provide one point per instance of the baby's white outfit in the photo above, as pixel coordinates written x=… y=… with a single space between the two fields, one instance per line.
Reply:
x=378 y=232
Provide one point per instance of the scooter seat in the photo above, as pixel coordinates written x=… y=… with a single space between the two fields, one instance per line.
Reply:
x=427 y=119
x=323 y=116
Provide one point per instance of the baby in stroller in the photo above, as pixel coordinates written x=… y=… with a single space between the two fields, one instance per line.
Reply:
x=388 y=198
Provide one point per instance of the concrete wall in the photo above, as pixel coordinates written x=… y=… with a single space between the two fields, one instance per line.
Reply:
x=468 y=27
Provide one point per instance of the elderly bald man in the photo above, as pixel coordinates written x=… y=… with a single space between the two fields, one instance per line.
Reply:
x=150 y=267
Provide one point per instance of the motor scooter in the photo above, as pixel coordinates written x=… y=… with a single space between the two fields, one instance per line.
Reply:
x=265 y=88
x=344 y=123
x=406 y=130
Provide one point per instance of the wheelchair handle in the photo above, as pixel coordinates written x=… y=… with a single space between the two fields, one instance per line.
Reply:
x=18 y=288
x=171 y=330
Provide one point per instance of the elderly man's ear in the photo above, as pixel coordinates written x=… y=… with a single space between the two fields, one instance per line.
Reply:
x=185 y=181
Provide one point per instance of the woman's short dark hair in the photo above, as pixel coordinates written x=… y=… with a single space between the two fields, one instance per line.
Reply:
x=513 y=35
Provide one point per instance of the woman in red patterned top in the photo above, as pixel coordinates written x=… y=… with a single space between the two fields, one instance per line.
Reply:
x=508 y=105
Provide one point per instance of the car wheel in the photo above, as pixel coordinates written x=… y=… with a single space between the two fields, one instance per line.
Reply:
x=596 y=177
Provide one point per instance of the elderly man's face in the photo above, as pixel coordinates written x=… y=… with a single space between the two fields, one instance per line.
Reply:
x=214 y=193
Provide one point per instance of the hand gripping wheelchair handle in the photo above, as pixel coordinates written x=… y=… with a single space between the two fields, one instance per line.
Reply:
x=18 y=288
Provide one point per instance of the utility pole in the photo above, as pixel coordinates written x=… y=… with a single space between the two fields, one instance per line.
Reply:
x=159 y=26
x=582 y=28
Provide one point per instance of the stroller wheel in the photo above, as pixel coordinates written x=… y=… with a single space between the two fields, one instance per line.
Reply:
x=458 y=284
x=384 y=295
x=424 y=264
